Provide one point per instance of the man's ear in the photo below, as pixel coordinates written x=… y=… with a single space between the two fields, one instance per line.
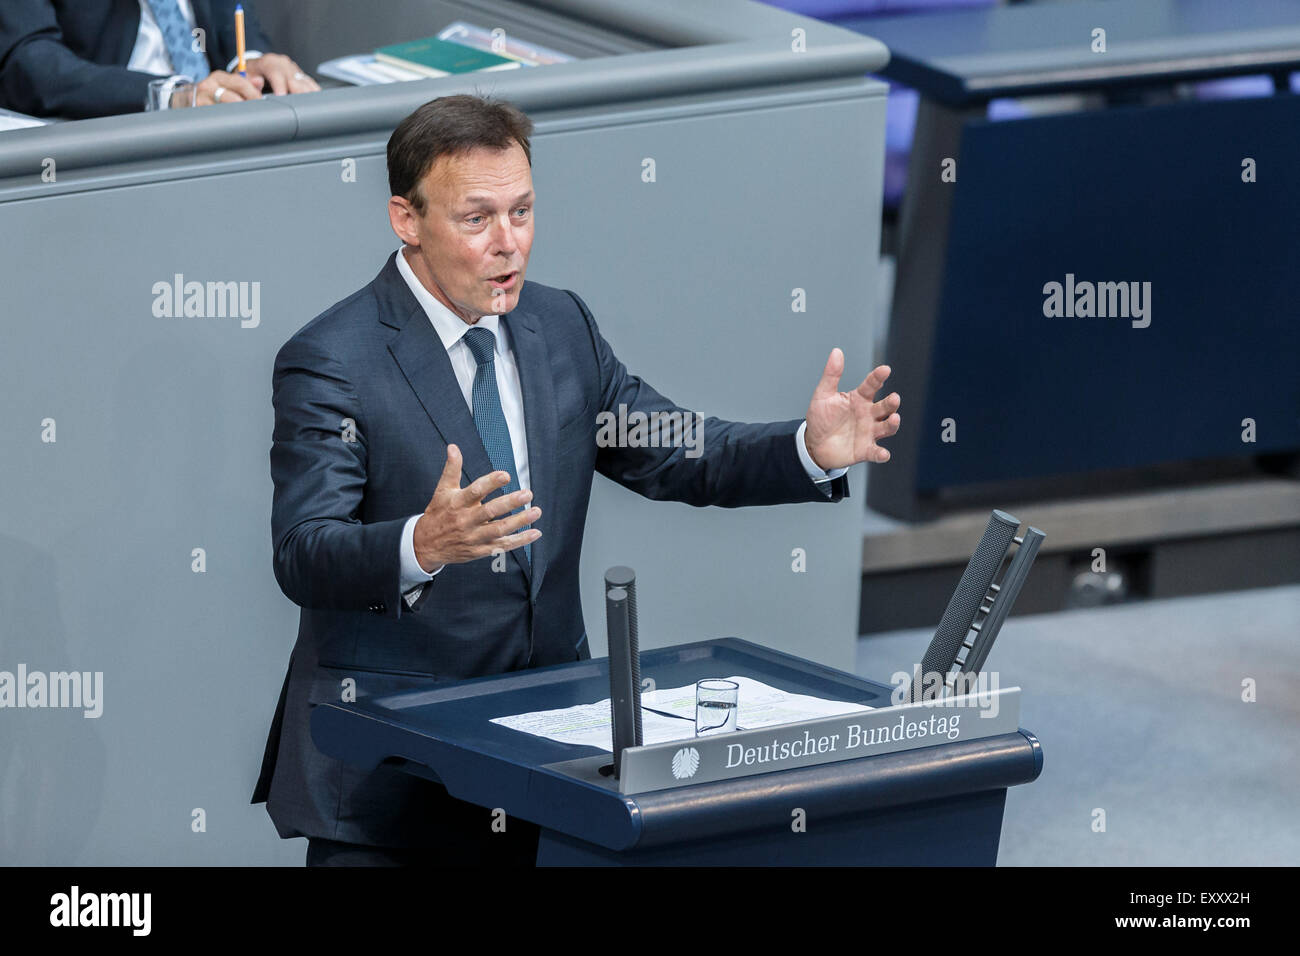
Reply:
x=402 y=216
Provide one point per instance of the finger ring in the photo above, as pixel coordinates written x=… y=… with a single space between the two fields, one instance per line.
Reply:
x=218 y=93
x=300 y=75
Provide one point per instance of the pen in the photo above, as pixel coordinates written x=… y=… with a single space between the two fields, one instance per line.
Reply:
x=239 y=36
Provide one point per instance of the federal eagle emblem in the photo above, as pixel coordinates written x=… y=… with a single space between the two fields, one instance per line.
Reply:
x=685 y=762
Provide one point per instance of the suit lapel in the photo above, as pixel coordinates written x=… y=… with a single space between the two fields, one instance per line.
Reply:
x=424 y=362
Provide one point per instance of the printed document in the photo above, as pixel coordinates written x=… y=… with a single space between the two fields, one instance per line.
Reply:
x=669 y=714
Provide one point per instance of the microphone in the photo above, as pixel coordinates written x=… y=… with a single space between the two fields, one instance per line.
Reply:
x=977 y=604
x=624 y=661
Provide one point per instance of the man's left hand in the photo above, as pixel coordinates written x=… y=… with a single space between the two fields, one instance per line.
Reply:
x=843 y=427
x=280 y=73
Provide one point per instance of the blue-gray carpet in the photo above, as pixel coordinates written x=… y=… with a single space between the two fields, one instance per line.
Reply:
x=1139 y=709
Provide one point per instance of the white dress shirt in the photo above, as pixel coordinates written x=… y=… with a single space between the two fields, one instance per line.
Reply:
x=149 y=55
x=451 y=330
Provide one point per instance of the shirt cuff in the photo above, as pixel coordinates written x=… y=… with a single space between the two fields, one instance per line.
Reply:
x=814 y=472
x=413 y=576
x=248 y=55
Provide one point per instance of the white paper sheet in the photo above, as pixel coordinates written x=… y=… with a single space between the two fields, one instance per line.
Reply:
x=760 y=705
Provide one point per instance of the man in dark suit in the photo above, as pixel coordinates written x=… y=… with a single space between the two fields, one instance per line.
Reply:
x=449 y=374
x=83 y=58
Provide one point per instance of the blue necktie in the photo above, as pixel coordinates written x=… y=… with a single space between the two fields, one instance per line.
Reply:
x=489 y=419
x=176 y=34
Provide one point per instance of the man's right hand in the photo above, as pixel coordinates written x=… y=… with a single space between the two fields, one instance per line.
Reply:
x=458 y=526
x=235 y=88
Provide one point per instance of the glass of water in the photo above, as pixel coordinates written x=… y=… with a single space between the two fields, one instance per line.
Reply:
x=716 y=704
x=168 y=94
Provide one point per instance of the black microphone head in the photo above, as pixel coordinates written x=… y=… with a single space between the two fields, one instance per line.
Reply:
x=620 y=576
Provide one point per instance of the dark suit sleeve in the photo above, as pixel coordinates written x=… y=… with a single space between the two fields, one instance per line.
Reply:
x=727 y=464
x=41 y=76
x=324 y=556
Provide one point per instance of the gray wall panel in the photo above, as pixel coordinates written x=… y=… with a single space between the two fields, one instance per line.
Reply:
x=163 y=430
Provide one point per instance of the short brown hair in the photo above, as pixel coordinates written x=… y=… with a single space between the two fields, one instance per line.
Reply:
x=451 y=125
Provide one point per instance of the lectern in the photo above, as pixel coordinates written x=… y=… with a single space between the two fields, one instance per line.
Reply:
x=833 y=799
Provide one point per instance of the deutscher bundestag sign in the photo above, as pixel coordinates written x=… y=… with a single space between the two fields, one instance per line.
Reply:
x=678 y=763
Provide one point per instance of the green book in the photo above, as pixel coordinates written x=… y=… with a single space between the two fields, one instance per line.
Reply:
x=434 y=57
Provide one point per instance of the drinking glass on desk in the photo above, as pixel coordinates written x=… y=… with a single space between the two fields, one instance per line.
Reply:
x=716 y=704
x=170 y=93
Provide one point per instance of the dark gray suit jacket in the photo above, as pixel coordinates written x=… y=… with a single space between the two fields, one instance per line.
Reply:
x=340 y=506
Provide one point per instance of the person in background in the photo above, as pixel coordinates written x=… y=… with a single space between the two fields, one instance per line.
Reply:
x=77 y=59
